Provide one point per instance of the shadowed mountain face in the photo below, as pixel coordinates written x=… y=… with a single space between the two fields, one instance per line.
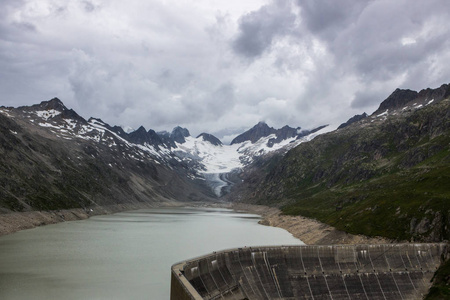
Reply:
x=211 y=139
x=384 y=175
x=179 y=134
x=51 y=158
x=254 y=134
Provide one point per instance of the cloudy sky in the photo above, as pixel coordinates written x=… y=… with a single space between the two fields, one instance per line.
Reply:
x=220 y=66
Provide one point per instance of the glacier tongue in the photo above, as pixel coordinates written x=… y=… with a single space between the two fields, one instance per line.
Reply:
x=218 y=161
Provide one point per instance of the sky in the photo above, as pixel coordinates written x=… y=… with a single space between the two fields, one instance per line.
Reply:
x=220 y=66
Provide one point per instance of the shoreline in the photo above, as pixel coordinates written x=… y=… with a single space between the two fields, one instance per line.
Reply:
x=17 y=221
x=309 y=231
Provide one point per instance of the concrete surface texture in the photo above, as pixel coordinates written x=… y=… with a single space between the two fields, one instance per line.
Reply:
x=387 y=271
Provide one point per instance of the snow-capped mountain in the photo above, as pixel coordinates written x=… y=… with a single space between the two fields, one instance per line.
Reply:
x=216 y=160
x=203 y=158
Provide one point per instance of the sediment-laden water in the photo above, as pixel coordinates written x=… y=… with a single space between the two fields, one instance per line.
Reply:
x=122 y=256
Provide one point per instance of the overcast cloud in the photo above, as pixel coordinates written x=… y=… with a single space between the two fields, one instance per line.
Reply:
x=220 y=66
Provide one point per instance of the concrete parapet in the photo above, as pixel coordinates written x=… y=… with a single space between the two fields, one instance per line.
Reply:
x=389 y=271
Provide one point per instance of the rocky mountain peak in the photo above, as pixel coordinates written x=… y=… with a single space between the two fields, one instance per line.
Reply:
x=397 y=99
x=254 y=134
x=287 y=132
x=211 y=139
x=353 y=119
x=54 y=103
x=142 y=136
x=437 y=94
x=178 y=134
x=140 y=130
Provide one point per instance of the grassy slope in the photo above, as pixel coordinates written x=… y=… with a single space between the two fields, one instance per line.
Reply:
x=441 y=283
x=389 y=180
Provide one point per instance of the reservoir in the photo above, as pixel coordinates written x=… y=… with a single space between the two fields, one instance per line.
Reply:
x=122 y=256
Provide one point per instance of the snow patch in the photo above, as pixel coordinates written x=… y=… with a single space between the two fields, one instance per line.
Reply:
x=5 y=112
x=383 y=114
x=47 y=114
x=49 y=125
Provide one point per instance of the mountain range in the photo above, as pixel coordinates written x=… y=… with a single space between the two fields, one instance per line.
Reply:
x=52 y=158
x=390 y=167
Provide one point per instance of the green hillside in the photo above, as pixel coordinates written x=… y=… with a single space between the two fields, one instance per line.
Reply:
x=386 y=178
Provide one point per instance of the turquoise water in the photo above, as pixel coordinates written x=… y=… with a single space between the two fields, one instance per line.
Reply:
x=122 y=256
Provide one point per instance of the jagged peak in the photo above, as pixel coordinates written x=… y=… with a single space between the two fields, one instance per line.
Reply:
x=261 y=124
x=178 y=134
x=181 y=130
x=397 y=99
x=254 y=134
x=140 y=129
x=54 y=103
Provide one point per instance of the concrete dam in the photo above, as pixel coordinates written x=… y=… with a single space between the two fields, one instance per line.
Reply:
x=387 y=271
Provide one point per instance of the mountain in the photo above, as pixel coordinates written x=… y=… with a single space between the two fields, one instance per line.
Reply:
x=397 y=99
x=210 y=138
x=254 y=134
x=352 y=120
x=219 y=163
x=405 y=99
x=179 y=134
x=51 y=158
x=199 y=165
x=143 y=137
x=385 y=175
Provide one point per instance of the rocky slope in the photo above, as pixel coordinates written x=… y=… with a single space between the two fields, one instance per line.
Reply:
x=51 y=158
x=385 y=175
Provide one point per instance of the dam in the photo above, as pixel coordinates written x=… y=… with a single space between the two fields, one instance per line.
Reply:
x=382 y=271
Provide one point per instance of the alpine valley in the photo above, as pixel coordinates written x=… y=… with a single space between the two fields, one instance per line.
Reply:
x=385 y=174
x=52 y=158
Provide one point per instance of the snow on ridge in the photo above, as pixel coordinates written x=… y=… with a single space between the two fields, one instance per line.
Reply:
x=6 y=112
x=226 y=158
x=47 y=114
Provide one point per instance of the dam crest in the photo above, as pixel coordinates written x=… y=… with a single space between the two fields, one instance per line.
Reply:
x=384 y=271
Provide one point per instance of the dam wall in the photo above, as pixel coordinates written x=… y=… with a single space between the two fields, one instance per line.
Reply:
x=389 y=271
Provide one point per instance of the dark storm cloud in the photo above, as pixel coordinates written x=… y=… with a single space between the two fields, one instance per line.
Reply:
x=258 y=29
x=329 y=17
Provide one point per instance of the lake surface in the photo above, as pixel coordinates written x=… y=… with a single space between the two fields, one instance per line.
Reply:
x=122 y=256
